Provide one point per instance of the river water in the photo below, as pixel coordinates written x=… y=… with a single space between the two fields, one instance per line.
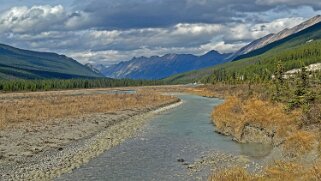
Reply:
x=185 y=132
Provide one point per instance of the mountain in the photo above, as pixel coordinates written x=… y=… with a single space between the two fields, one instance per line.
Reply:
x=158 y=67
x=294 y=51
x=100 y=67
x=268 y=39
x=93 y=67
x=25 y=64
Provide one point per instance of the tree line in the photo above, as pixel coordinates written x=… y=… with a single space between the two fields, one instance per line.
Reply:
x=58 y=84
x=262 y=68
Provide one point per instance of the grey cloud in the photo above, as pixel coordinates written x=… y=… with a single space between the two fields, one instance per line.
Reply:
x=110 y=46
x=127 y=14
x=114 y=30
x=313 y=3
x=38 y=19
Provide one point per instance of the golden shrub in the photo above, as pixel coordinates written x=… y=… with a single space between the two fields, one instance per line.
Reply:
x=232 y=174
x=236 y=113
x=278 y=171
x=299 y=143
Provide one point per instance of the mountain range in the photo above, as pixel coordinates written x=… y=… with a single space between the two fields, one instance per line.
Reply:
x=25 y=64
x=158 y=67
x=294 y=51
x=17 y=63
x=268 y=39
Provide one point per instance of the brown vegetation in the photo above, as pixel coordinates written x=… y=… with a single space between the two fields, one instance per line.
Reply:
x=280 y=171
x=33 y=107
x=235 y=174
x=220 y=90
x=235 y=114
x=299 y=143
x=298 y=128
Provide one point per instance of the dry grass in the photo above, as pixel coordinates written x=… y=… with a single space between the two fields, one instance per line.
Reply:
x=232 y=174
x=293 y=171
x=279 y=171
x=235 y=114
x=251 y=106
x=35 y=107
x=300 y=143
x=242 y=91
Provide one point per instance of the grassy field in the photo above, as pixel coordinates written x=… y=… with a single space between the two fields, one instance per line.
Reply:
x=35 y=107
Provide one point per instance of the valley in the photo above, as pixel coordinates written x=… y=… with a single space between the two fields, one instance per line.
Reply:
x=50 y=134
x=138 y=94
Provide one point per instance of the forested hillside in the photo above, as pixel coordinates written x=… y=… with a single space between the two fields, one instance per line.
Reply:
x=24 y=64
x=295 y=51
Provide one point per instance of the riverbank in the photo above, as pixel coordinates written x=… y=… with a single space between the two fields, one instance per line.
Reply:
x=177 y=145
x=42 y=149
x=290 y=123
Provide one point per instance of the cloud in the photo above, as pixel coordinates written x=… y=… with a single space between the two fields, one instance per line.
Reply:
x=115 y=30
x=128 y=14
x=110 y=46
x=41 y=18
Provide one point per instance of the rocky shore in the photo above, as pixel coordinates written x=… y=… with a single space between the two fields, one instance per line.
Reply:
x=252 y=134
x=35 y=151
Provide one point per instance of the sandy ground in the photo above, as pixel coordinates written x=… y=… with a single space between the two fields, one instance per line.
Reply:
x=44 y=151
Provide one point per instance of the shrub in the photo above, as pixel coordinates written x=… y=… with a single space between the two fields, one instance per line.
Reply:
x=235 y=114
x=233 y=174
x=299 y=143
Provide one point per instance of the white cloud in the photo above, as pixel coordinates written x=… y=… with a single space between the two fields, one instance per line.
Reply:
x=40 y=18
x=222 y=46
x=77 y=20
x=36 y=18
x=248 y=32
x=277 y=25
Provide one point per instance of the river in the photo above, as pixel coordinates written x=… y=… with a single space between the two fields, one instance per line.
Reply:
x=185 y=132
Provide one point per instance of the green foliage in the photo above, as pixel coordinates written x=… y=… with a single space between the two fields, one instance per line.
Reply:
x=303 y=96
x=58 y=84
x=279 y=83
x=303 y=47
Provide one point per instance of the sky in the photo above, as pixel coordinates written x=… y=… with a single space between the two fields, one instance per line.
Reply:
x=109 y=31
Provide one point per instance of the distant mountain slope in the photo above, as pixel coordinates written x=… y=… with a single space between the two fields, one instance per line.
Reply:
x=309 y=34
x=94 y=68
x=259 y=43
x=160 y=67
x=18 y=63
x=302 y=48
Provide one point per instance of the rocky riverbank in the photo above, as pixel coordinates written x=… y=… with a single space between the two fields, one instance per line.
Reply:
x=37 y=151
x=252 y=134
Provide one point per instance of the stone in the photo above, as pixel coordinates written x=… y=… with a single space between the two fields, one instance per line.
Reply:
x=180 y=160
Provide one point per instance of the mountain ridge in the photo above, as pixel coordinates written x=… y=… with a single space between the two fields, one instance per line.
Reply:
x=158 y=67
x=25 y=64
x=299 y=48
x=270 y=38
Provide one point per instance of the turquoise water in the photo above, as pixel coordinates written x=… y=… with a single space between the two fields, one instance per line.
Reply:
x=106 y=92
x=185 y=132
